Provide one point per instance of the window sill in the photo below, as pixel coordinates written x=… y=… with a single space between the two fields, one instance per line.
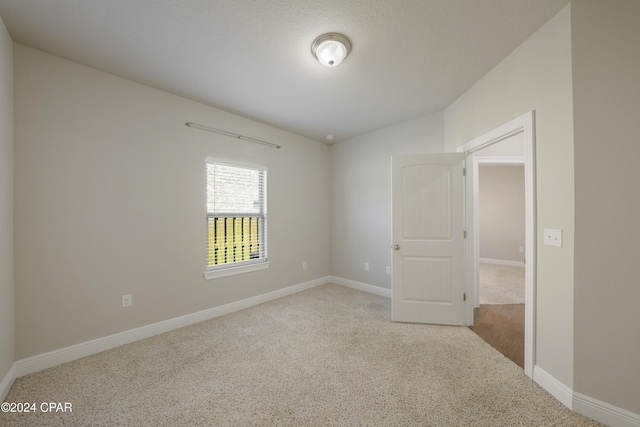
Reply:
x=232 y=271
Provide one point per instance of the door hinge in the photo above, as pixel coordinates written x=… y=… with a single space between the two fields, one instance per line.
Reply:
x=464 y=296
x=464 y=234
x=464 y=171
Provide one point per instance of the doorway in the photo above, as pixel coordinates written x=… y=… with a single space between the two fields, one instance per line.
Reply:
x=487 y=147
x=499 y=316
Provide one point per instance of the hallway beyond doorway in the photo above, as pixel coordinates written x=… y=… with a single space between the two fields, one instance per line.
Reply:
x=502 y=326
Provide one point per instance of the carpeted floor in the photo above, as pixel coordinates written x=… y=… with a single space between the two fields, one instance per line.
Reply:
x=328 y=356
x=501 y=284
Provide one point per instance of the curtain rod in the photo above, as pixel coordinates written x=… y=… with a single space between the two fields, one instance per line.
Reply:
x=231 y=134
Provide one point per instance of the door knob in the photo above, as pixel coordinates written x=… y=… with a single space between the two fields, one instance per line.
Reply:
x=396 y=247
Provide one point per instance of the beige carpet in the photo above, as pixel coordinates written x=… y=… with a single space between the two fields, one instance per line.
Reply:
x=329 y=356
x=501 y=284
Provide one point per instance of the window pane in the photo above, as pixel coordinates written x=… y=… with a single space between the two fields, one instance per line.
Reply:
x=234 y=190
x=236 y=215
x=233 y=239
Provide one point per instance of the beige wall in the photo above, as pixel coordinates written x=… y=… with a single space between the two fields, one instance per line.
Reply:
x=501 y=212
x=606 y=83
x=110 y=200
x=6 y=203
x=536 y=76
x=361 y=196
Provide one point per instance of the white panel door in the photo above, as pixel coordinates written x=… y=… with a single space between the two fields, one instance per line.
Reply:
x=428 y=241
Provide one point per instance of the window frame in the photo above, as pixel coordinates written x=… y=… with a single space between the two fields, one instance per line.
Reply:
x=238 y=267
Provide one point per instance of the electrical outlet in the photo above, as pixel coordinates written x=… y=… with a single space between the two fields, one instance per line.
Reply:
x=366 y=265
x=553 y=237
x=388 y=270
x=521 y=249
x=304 y=265
x=127 y=300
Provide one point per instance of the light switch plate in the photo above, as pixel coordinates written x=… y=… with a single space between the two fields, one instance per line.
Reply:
x=552 y=237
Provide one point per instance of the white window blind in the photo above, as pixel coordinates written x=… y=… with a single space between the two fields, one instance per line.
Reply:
x=236 y=215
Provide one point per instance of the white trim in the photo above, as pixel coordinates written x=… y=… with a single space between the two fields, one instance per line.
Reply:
x=67 y=354
x=236 y=163
x=584 y=405
x=7 y=381
x=502 y=262
x=231 y=271
x=523 y=124
x=383 y=292
x=555 y=387
x=500 y=133
x=604 y=412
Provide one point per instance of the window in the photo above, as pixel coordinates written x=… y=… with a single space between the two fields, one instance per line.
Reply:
x=236 y=219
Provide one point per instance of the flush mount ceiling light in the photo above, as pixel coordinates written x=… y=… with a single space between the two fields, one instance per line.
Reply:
x=331 y=49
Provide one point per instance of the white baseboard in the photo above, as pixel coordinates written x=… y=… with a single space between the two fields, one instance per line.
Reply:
x=502 y=262
x=7 y=381
x=67 y=354
x=384 y=292
x=604 y=412
x=584 y=405
x=555 y=387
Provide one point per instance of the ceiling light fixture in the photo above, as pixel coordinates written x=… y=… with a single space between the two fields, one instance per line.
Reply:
x=331 y=49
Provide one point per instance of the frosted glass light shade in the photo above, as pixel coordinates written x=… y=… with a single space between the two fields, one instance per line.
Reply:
x=331 y=49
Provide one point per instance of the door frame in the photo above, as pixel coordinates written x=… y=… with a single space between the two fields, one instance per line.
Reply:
x=524 y=124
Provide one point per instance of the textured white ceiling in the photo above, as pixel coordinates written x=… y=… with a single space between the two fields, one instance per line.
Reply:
x=252 y=57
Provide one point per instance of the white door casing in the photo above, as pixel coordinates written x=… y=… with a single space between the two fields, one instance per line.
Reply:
x=428 y=284
x=524 y=124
